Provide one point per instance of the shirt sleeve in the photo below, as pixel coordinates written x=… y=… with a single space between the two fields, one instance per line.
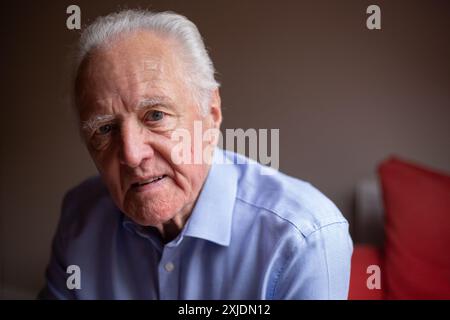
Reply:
x=319 y=267
x=56 y=276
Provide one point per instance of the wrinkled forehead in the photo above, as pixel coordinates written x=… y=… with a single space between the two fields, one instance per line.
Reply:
x=128 y=67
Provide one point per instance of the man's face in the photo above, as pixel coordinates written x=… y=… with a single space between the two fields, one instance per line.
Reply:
x=132 y=97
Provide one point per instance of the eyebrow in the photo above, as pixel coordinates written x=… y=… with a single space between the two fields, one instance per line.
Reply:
x=93 y=122
x=149 y=102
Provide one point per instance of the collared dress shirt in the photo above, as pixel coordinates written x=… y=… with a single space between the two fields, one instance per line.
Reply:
x=254 y=233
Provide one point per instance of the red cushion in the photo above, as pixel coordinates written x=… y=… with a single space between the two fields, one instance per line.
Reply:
x=417 y=229
x=363 y=257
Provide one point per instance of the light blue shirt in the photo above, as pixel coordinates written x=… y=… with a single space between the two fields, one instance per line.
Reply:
x=251 y=235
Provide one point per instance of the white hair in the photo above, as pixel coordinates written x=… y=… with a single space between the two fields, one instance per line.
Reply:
x=199 y=71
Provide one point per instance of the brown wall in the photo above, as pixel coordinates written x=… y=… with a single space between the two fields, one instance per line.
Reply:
x=342 y=96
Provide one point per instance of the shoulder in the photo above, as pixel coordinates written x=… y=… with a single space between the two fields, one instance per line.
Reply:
x=88 y=189
x=295 y=204
x=88 y=194
x=86 y=205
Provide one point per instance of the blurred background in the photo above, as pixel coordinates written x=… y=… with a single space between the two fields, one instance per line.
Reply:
x=344 y=98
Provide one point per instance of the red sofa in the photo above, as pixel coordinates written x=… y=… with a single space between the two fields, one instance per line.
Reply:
x=414 y=261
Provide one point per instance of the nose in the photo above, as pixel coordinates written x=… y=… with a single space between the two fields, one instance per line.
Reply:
x=134 y=145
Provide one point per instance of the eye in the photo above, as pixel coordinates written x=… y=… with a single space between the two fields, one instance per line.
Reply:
x=154 y=115
x=105 y=129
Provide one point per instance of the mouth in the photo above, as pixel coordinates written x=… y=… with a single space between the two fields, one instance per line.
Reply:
x=145 y=182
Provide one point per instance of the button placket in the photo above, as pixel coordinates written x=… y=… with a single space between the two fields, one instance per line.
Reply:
x=168 y=274
x=169 y=266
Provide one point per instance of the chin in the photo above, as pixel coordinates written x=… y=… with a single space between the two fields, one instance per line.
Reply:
x=151 y=214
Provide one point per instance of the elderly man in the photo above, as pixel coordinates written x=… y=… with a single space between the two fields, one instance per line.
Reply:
x=151 y=227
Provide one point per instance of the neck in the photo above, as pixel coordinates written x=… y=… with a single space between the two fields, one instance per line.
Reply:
x=172 y=228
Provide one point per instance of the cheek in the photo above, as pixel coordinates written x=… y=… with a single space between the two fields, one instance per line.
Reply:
x=190 y=178
x=190 y=175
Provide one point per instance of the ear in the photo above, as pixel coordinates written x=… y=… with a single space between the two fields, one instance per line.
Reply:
x=215 y=109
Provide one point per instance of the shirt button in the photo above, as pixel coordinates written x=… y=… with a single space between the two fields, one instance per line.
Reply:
x=169 y=267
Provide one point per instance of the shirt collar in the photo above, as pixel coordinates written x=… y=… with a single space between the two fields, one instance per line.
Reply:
x=212 y=216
